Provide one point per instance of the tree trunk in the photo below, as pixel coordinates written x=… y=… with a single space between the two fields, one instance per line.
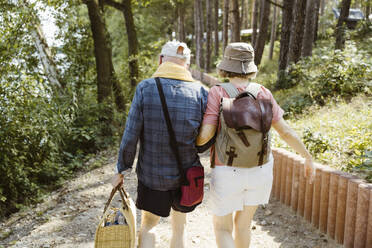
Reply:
x=181 y=22
x=132 y=42
x=340 y=28
x=287 y=19
x=209 y=36
x=307 y=44
x=126 y=8
x=256 y=5
x=297 y=34
x=317 y=6
x=322 y=6
x=235 y=29
x=247 y=8
x=225 y=24
x=273 y=32
x=198 y=18
x=262 y=35
x=50 y=70
x=45 y=55
x=216 y=30
x=104 y=66
x=242 y=15
x=201 y=24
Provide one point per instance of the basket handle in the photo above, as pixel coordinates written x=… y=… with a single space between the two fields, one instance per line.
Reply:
x=123 y=196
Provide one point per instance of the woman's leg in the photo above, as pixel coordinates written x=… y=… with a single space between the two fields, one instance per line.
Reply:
x=223 y=227
x=242 y=224
x=178 y=228
x=146 y=239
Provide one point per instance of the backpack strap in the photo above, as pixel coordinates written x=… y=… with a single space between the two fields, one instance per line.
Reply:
x=231 y=90
x=253 y=88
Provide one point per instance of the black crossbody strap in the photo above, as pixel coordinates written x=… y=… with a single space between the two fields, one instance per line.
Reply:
x=172 y=136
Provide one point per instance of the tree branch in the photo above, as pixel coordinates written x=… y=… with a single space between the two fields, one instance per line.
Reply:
x=114 y=4
x=278 y=5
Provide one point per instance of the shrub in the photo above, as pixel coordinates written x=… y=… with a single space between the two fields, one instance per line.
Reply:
x=327 y=74
x=338 y=134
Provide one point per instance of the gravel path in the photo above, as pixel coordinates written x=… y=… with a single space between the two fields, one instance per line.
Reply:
x=68 y=218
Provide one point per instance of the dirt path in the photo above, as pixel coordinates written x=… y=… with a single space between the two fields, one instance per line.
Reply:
x=69 y=216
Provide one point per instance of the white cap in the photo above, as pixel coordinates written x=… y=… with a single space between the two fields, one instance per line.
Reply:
x=171 y=48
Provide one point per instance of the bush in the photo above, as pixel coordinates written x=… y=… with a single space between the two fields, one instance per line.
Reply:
x=29 y=151
x=325 y=75
x=338 y=135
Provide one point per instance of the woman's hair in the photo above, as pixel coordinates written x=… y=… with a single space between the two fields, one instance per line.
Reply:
x=229 y=74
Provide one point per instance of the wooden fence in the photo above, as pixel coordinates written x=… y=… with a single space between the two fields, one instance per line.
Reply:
x=337 y=203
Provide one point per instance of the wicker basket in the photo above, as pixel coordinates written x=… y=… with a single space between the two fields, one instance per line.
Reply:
x=117 y=236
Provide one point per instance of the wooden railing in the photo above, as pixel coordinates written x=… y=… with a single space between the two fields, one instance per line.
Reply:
x=337 y=203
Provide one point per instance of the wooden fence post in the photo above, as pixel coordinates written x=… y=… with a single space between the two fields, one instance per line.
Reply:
x=301 y=189
x=369 y=226
x=288 y=188
x=295 y=182
x=309 y=191
x=275 y=168
x=332 y=205
x=324 y=200
x=316 y=198
x=350 y=215
x=278 y=174
x=343 y=181
x=283 y=177
x=361 y=216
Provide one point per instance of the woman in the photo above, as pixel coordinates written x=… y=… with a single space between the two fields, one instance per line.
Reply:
x=236 y=192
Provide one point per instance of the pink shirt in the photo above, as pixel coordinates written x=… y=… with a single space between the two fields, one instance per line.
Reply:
x=214 y=100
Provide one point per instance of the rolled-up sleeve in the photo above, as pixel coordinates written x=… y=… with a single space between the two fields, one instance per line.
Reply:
x=132 y=132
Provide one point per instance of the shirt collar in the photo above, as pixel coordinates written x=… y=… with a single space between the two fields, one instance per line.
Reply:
x=173 y=71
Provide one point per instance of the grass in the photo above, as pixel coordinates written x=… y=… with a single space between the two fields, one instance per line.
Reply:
x=340 y=132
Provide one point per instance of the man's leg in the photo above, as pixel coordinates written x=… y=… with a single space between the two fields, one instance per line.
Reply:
x=242 y=224
x=178 y=228
x=146 y=238
x=223 y=227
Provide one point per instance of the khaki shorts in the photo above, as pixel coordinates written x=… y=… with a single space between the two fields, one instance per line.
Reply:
x=233 y=188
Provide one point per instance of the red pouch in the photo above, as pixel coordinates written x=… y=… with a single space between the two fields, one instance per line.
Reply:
x=192 y=194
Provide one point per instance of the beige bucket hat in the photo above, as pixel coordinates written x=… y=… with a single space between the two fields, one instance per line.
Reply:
x=238 y=58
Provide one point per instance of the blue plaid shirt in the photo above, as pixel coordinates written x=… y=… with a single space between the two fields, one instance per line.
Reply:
x=156 y=165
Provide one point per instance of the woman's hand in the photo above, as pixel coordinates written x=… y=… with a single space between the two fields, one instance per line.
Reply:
x=309 y=169
x=117 y=180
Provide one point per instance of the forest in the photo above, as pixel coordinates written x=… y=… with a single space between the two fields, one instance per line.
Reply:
x=68 y=71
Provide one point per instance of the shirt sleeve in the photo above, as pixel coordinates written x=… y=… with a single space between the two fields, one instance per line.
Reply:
x=132 y=132
x=213 y=107
x=277 y=110
x=204 y=99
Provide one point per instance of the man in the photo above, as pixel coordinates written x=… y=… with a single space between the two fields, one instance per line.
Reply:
x=158 y=176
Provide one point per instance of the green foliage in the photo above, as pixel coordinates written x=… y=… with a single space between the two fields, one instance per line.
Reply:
x=337 y=134
x=45 y=133
x=315 y=142
x=365 y=169
x=325 y=75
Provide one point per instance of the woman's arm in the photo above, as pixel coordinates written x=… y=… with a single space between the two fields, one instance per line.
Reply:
x=291 y=138
x=206 y=137
x=207 y=131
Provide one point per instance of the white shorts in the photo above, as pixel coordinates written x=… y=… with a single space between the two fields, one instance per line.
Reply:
x=233 y=188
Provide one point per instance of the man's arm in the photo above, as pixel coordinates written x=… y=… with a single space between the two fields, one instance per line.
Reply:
x=132 y=132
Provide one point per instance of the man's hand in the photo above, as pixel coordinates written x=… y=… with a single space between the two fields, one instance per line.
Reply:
x=309 y=169
x=117 y=180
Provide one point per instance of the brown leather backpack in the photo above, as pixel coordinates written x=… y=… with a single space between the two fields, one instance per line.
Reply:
x=244 y=138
